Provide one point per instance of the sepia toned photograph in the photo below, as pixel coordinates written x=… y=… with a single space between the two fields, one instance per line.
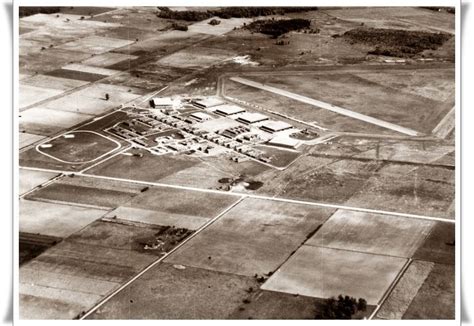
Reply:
x=236 y=162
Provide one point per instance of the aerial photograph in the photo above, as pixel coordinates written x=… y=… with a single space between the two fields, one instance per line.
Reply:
x=236 y=163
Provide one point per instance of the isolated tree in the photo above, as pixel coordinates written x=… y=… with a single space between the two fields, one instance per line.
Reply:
x=107 y=96
x=342 y=308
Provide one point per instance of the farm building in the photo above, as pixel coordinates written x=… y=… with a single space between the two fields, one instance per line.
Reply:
x=275 y=126
x=249 y=118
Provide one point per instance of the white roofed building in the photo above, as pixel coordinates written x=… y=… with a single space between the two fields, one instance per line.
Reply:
x=163 y=102
x=284 y=141
x=207 y=102
x=250 y=117
x=201 y=116
x=228 y=109
x=275 y=126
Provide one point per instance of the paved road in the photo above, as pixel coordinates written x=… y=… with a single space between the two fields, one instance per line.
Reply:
x=445 y=126
x=286 y=200
x=156 y=262
x=327 y=106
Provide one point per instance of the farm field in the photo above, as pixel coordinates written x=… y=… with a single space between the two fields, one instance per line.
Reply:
x=30 y=179
x=320 y=179
x=237 y=163
x=157 y=206
x=248 y=239
x=371 y=233
x=55 y=219
x=91 y=100
x=323 y=272
x=83 y=268
x=438 y=247
x=439 y=285
x=87 y=196
x=146 y=168
x=404 y=292
x=27 y=139
x=277 y=305
x=39 y=121
x=418 y=196
x=167 y=292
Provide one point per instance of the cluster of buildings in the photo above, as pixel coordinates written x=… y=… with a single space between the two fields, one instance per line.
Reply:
x=259 y=120
x=240 y=138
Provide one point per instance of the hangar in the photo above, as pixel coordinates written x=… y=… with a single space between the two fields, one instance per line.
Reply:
x=228 y=109
x=275 y=126
x=284 y=141
x=250 y=117
x=162 y=102
x=201 y=116
x=207 y=102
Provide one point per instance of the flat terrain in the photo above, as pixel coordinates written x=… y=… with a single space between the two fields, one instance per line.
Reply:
x=363 y=205
x=31 y=179
x=322 y=273
x=254 y=237
x=438 y=287
x=157 y=206
x=79 y=147
x=89 y=196
x=82 y=269
x=55 y=219
x=375 y=99
x=371 y=233
x=406 y=289
x=167 y=292
x=43 y=121
x=145 y=168
x=439 y=246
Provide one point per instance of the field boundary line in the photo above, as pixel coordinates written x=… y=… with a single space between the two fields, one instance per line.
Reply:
x=156 y=262
x=448 y=120
x=294 y=201
x=41 y=185
x=68 y=203
x=391 y=288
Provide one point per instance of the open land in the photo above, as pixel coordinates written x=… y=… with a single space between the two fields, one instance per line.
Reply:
x=236 y=163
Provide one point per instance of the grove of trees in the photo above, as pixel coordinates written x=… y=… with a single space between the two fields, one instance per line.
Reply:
x=344 y=307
